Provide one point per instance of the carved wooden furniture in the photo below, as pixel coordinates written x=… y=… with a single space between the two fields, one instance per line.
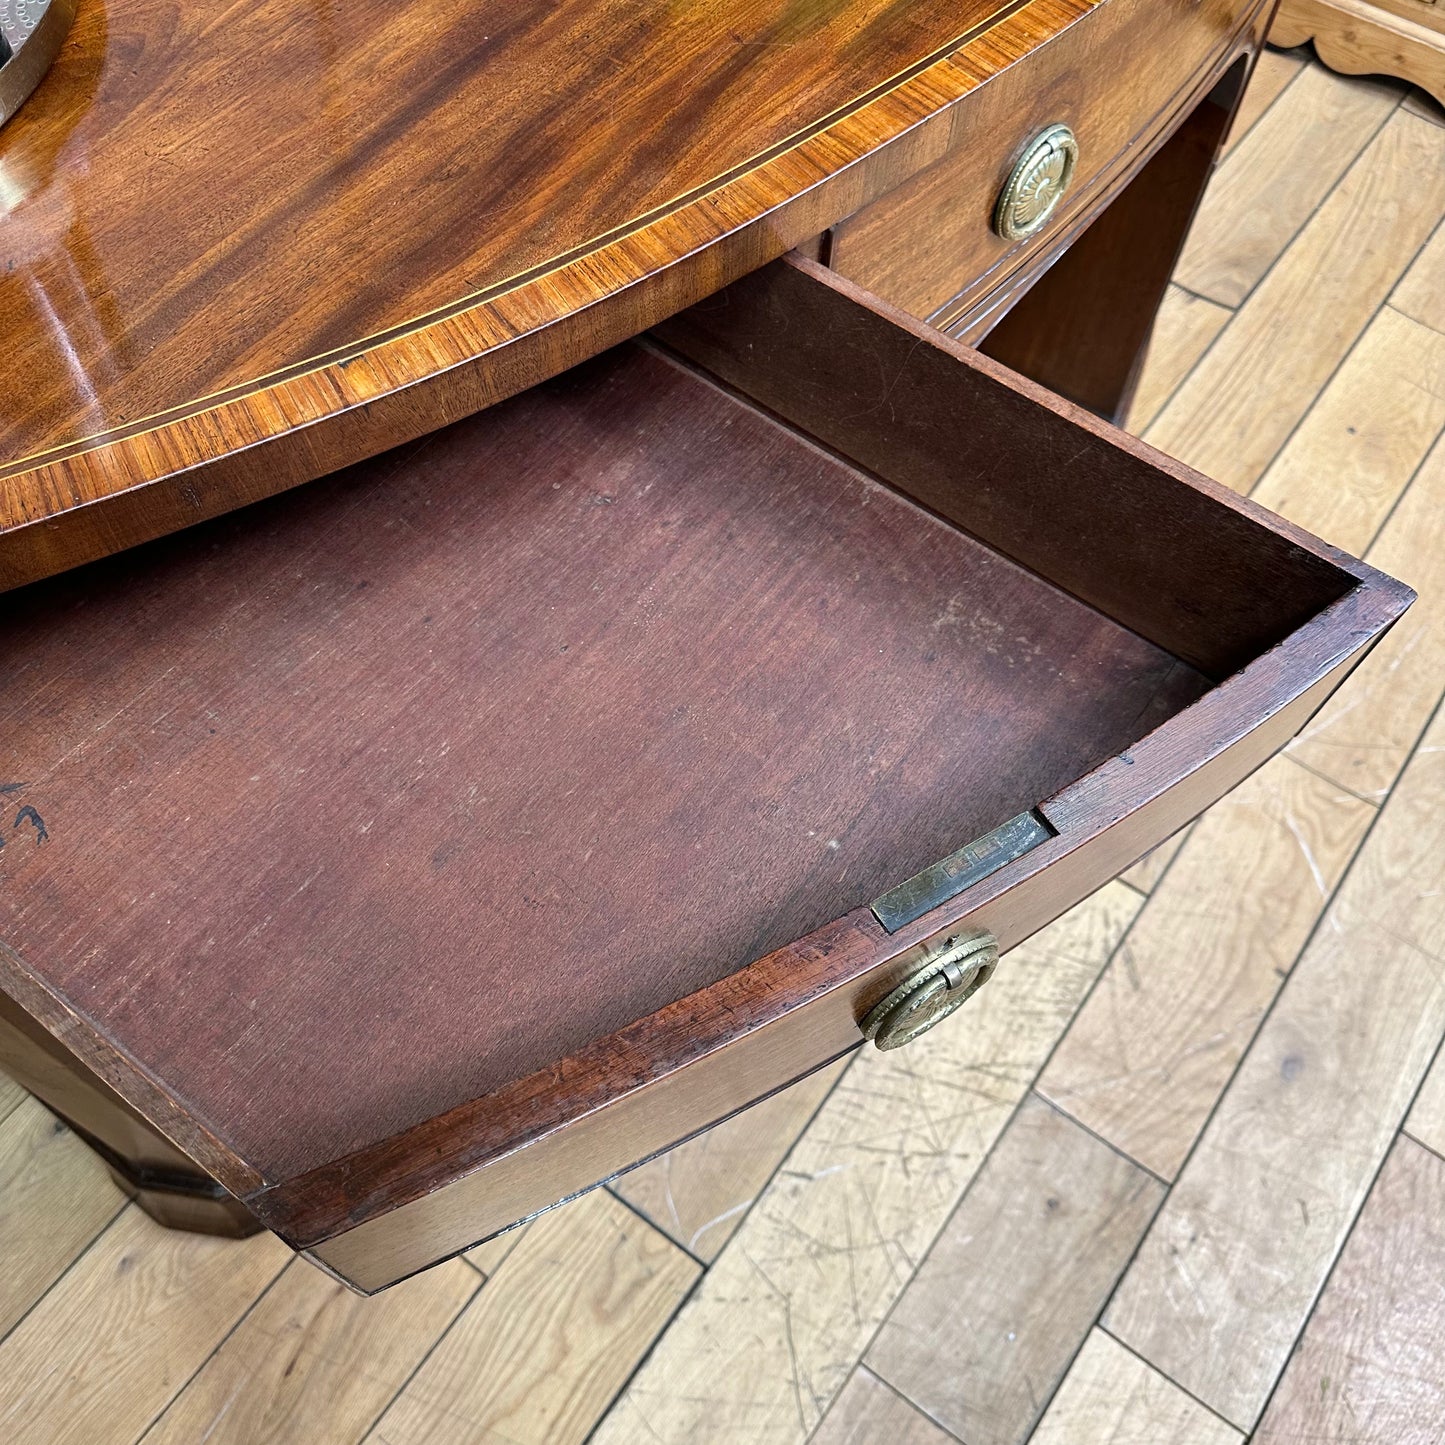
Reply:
x=386 y=861
x=1404 y=38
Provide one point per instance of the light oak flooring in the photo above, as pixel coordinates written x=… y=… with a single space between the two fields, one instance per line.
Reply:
x=1177 y=1177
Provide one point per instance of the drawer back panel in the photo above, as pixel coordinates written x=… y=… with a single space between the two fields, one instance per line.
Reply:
x=1096 y=512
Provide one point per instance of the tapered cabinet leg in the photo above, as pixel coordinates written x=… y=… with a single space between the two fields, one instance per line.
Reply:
x=145 y=1165
x=1083 y=328
x=178 y=1199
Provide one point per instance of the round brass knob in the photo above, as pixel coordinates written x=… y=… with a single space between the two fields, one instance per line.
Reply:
x=1033 y=192
x=946 y=980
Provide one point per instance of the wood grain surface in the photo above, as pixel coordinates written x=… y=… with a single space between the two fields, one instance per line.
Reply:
x=491 y=1255
x=100 y=1371
x=313 y=1362
x=1180 y=1004
x=53 y=1202
x=1357 y=447
x=551 y=651
x=552 y=1338
x=1404 y=38
x=813 y=348
x=1110 y=1394
x=1184 y=329
x=11 y=1095
x=771 y=1334
x=1113 y=1396
x=1420 y=293
x=1275 y=179
x=1367 y=1369
x=1363 y=737
x=932 y=238
x=243 y=249
x=1273 y=73
x=1082 y=328
x=1148 y=872
x=1260 y=1212
x=991 y=1320
x=698 y=1193
x=1426 y=1121
x=685 y=592
x=1225 y=419
x=867 y=1411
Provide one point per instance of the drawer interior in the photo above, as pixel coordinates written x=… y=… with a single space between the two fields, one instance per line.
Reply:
x=372 y=798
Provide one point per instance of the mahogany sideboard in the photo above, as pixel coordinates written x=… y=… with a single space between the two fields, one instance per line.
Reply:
x=680 y=661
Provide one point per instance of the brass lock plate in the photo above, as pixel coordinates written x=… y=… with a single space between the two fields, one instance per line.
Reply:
x=971 y=864
x=946 y=978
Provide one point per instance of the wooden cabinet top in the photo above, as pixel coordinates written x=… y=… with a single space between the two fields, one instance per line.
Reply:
x=243 y=245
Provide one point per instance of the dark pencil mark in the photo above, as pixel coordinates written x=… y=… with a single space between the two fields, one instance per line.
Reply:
x=29 y=815
x=12 y=787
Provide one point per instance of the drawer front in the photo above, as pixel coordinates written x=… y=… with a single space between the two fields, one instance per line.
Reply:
x=934 y=238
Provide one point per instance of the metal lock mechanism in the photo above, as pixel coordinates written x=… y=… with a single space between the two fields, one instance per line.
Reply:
x=31 y=34
x=948 y=977
x=1037 y=184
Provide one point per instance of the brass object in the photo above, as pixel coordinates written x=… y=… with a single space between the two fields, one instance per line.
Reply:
x=970 y=864
x=949 y=976
x=1033 y=191
x=31 y=34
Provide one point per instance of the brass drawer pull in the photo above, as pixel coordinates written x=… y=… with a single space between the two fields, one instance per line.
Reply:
x=941 y=984
x=1033 y=191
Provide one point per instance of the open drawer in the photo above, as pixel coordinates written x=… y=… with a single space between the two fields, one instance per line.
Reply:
x=426 y=846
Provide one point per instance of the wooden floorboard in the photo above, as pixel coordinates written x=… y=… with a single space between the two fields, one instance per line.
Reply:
x=119 y=1335
x=54 y=1199
x=698 y=1192
x=539 y=1354
x=1112 y=1397
x=1229 y=1272
x=1273 y=72
x=11 y=1095
x=923 y=1248
x=1368 y=1368
x=1275 y=178
x=867 y=1412
x=1150 y=1053
x=991 y=1321
x=1184 y=330
x=1342 y=472
x=313 y=1362
x=1363 y=735
x=1240 y=404
x=1149 y=871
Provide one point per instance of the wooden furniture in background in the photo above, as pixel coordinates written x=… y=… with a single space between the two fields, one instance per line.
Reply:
x=1404 y=38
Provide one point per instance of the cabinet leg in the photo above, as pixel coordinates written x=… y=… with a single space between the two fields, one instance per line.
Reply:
x=145 y=1165
x=1083 y=328
x=184 y=1200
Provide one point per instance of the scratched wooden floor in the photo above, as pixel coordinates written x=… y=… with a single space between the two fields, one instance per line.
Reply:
x=1178 y=1175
